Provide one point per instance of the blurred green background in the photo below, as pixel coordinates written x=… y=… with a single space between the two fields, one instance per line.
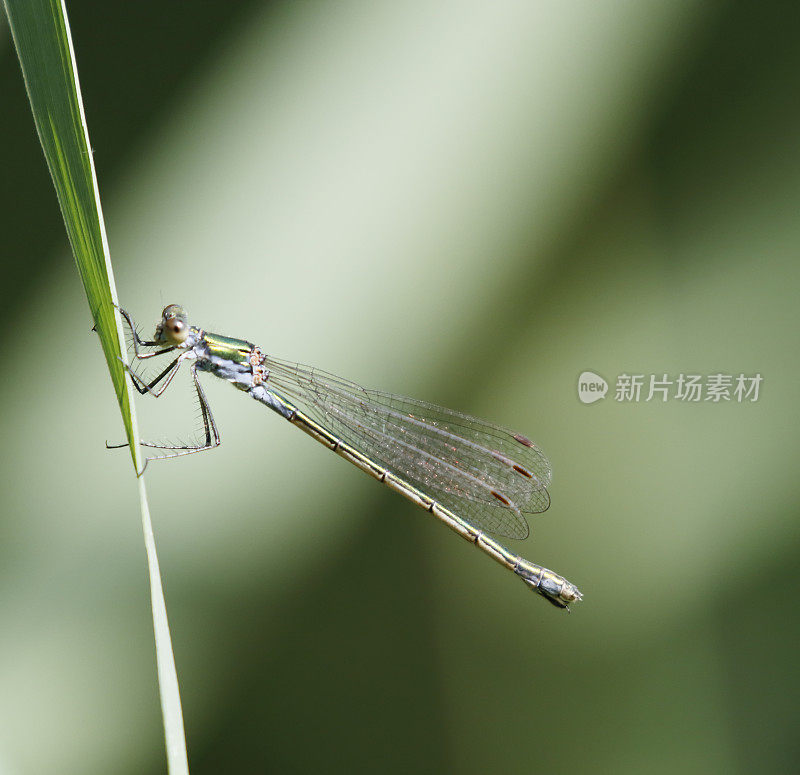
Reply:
x=471 y=203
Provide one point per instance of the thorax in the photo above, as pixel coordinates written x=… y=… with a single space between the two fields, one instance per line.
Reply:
x=226 y=347
x=225 y=357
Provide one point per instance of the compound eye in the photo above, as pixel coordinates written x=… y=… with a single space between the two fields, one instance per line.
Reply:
x=176 y=329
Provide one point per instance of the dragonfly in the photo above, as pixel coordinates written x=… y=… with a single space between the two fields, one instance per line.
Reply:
x=475 y=477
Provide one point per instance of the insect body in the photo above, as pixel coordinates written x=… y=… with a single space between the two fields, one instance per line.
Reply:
x=474 y=476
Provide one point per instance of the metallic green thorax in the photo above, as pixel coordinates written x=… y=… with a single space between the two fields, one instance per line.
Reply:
x=236 y=350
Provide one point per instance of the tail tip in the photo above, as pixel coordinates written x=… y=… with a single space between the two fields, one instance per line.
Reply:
x=555 y=589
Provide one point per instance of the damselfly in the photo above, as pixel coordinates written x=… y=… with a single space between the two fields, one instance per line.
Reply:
x=472 y=475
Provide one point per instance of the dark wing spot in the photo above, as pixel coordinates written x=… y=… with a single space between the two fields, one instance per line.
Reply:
x=524 y=440
x=523 y=471
x=501 y=498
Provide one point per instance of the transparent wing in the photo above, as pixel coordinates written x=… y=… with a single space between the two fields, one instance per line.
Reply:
x=487 y=474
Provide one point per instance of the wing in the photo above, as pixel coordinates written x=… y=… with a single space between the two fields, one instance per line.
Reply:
x=487 y=474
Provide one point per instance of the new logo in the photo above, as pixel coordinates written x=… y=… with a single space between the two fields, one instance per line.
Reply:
x=591 y=387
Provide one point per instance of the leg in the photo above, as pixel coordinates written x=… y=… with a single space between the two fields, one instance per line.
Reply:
x=212 y=434
x=211 y=440
x=138 y=342
x=167 y=375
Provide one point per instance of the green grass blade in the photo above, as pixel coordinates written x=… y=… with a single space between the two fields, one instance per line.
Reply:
x=44 y=45
x=41 y=36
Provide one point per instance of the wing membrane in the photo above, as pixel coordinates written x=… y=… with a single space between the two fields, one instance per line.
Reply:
x=487 y=474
